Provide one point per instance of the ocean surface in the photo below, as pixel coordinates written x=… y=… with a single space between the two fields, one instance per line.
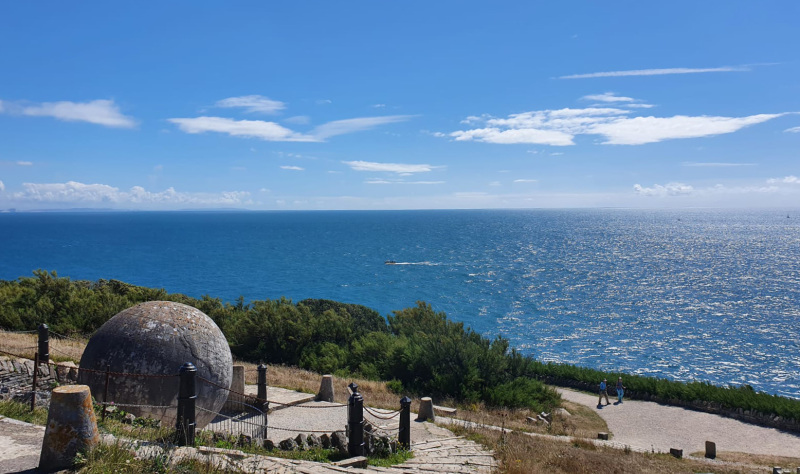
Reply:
x=710 y=295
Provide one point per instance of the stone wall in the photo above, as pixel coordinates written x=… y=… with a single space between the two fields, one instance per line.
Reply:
x=17 y=375
x=747 y=416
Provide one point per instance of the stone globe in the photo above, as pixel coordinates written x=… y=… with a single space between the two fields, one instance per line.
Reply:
x=150 y=342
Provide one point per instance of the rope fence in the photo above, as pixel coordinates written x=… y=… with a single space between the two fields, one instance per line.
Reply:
x=242 y=414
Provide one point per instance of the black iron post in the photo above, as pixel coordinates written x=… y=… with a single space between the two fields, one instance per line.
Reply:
x=355 y=422
x=404 y=436
x=186 y=405
x=44 y=343
x=262 y=387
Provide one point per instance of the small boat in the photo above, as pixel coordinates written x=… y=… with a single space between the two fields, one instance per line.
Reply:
x=390 y=262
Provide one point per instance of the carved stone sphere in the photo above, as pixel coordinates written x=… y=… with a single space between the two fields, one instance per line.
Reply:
x=150 y=342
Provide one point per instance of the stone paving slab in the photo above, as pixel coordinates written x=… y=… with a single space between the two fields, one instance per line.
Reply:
x=280 y=397
x=20 y=445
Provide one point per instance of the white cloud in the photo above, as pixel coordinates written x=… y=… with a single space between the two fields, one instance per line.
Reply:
x=526 y=180
x=253 y=103
x=793 y=130
x=385 y=181
x=669 y=189
x=1 y=107
x=341 y=127
x=399 y=168
x=379 y=106
x=324 y=101
x=298 y=120
x=24 y=163
x=294 y=168
x=641 y=130
x=640 y=106
x=560 y=127
x=73 y=192
x=269 y=131
x=608 y=97
x=495 y=183
x=272 y=131
x=657 y=72
x=100 y=112
x=787 y=180
x=715 y=165
x=2 y=186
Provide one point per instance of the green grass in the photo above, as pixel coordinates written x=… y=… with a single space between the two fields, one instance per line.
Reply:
x=22 y=412
x=392 y=460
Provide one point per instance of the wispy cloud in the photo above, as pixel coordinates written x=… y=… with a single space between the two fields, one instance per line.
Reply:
x=617 y=100
x=253 y=103
x=24 y=163
x=272 y=131
x=793 y=130
x=608 y=97
x=669 y=189
x=269 y=131
x=2 y=186
x=294 y=168
x=657 y=72
x=386 y=181
x=616 y=125
x=73 y=192
x=526 y=180
x=714 y=165
x=399 y=168
x=99 y=112
x=787 y=180
x=341 y=127
x=641 y=130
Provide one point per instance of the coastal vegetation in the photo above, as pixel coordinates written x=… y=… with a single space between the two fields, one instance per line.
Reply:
x=418 y=350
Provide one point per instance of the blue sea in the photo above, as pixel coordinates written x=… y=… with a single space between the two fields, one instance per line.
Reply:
x=710 y=295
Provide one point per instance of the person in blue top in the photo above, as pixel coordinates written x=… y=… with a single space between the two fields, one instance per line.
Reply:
x=620 y=390
x=603 y=393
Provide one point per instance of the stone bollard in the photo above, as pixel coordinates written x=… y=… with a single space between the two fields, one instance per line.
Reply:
x=711 y=449
x=325 y=389
x=777 y=470
x=71 y=427
x=675 y=452
x=235 y=400
x=602 y=436
x=426 y=410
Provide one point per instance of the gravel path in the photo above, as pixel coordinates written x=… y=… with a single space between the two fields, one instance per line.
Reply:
x=651 y=426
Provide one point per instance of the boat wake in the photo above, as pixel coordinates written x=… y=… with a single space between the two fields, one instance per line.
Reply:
x=392 y=262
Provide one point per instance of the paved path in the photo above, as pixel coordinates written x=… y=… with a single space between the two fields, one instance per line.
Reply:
x=649 y=425
x=20 y=446
x=435 y=449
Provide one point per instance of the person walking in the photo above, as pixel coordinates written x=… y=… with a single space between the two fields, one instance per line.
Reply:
x=620 y=389
x=603 y=393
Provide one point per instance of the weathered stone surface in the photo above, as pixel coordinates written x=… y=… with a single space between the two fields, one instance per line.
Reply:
x=301 y=441
x=325 y=389
x=325 y=440
x=711 y=449
x=314 y=441
x=71 y=427
x=426 y=410
x=339 y=441
x=269 y=444
x=288 y=445
x=156 y=338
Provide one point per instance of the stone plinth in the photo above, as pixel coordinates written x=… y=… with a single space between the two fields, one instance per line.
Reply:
x=325 y=389
x=426 y=410
x=711 y=449
x=71 y=427
x=235 y=400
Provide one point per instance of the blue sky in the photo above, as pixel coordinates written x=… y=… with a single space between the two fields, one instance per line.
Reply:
x=399 y=105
